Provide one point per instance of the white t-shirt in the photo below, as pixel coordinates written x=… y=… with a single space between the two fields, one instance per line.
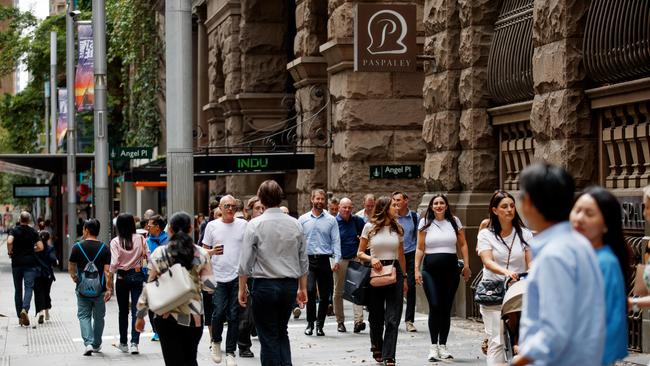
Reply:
x=383 y=244
x=441 y=237
x=488 y=241
x=231 y=235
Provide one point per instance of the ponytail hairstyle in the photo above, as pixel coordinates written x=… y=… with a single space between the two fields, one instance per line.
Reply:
x=181 y=245
x=429 y=216
x=495 y=224
x=125 y=224
x=381 y=217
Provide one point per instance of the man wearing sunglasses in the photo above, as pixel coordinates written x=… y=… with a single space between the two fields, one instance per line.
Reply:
x=223 y=240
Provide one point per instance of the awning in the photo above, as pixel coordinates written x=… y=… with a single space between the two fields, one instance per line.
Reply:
x=53 y=163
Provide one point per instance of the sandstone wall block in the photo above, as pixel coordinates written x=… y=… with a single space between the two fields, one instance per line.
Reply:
x=476 y=131
x=440 y=15
x=475 y=45
x=478 y=169
x=443 y=46
x=578 y=156
x=407 y=84
x=362 y=145
x=472 y=87
x=440 y=91
x=440 y=131
x=264 y=10
x=264 y=73
x=561 y=114
x=441 y=171
x=360 y=85
x=232 y=83
x=307 y=44
x=558 y=65
x=341 y=21
x=373 y=114
x=262 y=38
x=407 y=145
x=311 y=15
x=478 y=12
x=554 y=20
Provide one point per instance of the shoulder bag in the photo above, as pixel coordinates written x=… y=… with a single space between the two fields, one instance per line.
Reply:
x=491 y=292
x=387 y=275
x=171 y=289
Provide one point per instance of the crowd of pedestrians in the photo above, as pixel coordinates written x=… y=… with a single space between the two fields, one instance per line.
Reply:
x=252 y=265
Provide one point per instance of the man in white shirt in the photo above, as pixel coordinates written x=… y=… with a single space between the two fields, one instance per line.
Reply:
x=223 y=238
x=368 y=207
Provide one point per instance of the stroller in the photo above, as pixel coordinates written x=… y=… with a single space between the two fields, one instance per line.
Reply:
x=511 y=314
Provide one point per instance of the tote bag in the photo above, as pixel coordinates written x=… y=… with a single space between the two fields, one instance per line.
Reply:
x=171 y=289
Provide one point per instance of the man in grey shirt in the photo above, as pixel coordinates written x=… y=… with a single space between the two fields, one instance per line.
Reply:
x=274 y=255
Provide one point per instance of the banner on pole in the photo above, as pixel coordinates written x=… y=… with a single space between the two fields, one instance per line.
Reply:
x=84 y=78
x=62 y=123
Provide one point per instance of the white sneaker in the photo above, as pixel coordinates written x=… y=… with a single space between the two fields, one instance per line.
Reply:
x=216 y=352
x=230 y=360
x=433 y=353
x=88 y=351
x=443 y=353
x=47 y=314
x=134 y=349
x=97 y=349
x=122 y=347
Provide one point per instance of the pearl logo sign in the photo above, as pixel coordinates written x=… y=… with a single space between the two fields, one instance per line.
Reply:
x=384 y=38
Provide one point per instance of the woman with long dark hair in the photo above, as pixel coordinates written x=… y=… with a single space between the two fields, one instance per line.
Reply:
x=385 y=239
x=128 y=256
x=180 y=330
x=596 y=214
x=440 y=238
x=503 y=248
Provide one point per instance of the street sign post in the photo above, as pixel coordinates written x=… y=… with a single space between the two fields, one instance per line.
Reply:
x=404 y=171
x=129 y=153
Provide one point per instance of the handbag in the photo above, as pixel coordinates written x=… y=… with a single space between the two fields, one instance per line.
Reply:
x=143 y=259
x=171 y=289
x=387 y=275
x=491 y=292
x=357 y=278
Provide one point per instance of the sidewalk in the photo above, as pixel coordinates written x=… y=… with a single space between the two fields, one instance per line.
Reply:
x=58 y=342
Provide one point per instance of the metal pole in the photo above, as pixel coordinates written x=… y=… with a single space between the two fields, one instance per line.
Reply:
x=53 y=94
x=46 y=95
x=72 y=143
x=102 y=203
x=178 y=59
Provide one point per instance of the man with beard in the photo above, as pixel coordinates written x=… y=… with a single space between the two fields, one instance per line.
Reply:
x=323 y=242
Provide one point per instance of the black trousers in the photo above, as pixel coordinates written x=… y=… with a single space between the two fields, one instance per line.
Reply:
x=440 y=280
x=179 y=343
x=409 y=315
x=320 y=274
x=42 y=288
x=246 y=322
x=384 y=314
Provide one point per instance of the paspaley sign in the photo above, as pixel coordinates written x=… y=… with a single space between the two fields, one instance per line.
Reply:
x=405 y=171
x=385 y=38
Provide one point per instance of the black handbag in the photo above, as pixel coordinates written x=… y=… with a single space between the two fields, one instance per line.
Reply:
x=491 y=292
x=357 y=282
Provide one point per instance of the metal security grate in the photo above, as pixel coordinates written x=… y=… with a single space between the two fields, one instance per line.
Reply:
x=51 y=337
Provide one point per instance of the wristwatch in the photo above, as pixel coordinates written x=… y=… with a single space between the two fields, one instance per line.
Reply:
x=635 y=305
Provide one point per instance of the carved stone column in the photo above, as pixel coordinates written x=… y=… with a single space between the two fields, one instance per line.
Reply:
x=376 y=117
x=560 y=116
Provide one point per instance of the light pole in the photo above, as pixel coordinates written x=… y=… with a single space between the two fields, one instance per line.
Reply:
x=102 y=198
x=72 y=141
x=53 y=93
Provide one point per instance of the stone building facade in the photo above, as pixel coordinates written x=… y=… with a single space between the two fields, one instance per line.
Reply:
x=500 y=84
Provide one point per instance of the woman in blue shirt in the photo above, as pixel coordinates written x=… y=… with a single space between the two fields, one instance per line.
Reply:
x=597 y=215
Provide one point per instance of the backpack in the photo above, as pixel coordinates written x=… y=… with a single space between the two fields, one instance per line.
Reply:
x=414 y=217
x=91 y=280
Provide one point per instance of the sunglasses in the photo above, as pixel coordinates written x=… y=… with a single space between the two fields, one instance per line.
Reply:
x=229 y=206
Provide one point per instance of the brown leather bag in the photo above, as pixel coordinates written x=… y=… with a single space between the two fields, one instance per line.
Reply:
x=384 y=277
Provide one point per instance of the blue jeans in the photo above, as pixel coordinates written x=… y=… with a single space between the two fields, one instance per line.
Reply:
x=28 y=276
x=90 y=312
x=226 y=307
x=273 y=301
x=128 y=285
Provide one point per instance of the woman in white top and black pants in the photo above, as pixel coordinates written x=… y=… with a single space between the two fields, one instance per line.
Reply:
x=503 y=247
x=384 y=237
x=439 y=233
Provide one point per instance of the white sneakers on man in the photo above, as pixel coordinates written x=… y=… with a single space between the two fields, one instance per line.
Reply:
x=443 y=353
x=88 y=350
x=216 y=352
x=230 y=360
x=433 y=353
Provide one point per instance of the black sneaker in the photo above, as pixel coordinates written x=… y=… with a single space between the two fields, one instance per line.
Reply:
x=246 y=353
x=359 y=326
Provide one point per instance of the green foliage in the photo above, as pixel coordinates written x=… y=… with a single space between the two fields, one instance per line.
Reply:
x=135 y=43
x=7 y=182
x=21 y=119
x=14 y=39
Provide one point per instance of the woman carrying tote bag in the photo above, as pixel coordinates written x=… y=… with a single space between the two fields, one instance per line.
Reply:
x=181 y=328
x=384 y=237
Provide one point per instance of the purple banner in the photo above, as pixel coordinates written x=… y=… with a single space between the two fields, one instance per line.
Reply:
x=84 y=79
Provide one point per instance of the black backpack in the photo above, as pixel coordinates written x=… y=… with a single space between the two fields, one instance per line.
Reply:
x=91 y=280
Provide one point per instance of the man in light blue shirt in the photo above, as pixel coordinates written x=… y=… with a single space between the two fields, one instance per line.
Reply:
x=409 y=221
x=563 y=319
x=323 y=242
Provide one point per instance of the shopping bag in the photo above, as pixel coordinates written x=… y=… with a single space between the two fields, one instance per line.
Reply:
x=357 y=278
